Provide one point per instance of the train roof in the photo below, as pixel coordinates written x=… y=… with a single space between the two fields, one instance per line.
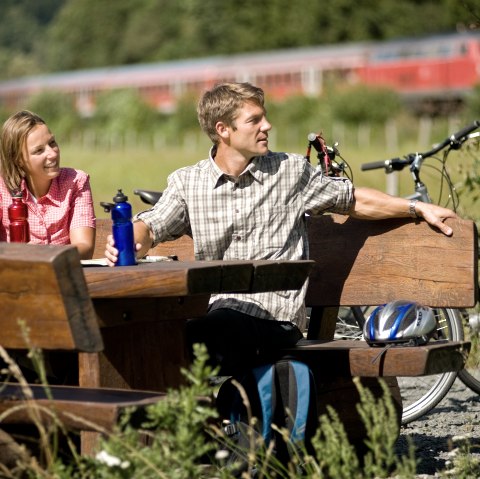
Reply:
x=347 y=55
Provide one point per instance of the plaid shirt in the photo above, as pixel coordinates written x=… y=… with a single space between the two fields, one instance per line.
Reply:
x=259 y=215
x=67 y=205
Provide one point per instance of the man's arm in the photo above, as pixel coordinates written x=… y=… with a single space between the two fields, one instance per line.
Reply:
x=143 y=241
x=374 y=205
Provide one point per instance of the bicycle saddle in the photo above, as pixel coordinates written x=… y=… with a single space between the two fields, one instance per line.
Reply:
x=147 y=196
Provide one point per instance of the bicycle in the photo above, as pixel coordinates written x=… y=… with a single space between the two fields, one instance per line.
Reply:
x=453 y=324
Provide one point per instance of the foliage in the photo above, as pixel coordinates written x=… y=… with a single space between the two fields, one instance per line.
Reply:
x=473 y=103
x=123 y=111
x=178 y=445
x=463 y=464
x=179 y=438
x=22 y=26
x=363 y=104
x=59 y=35
x=58 y=111
x=336 y=457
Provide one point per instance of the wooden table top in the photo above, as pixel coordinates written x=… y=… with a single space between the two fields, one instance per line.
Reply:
x=185 y=278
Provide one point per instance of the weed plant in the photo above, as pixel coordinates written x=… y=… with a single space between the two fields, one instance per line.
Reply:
x=181 y=437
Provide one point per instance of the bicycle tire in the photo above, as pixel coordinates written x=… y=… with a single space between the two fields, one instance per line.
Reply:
x=419 y=394
x=470 y=375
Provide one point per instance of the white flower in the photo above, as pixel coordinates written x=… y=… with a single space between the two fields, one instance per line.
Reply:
x=221 y=454
x=111 y=461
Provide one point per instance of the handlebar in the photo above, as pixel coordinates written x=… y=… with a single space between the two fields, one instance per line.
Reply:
x=396 y=164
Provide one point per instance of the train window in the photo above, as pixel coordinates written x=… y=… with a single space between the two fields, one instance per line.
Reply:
x=411 y=51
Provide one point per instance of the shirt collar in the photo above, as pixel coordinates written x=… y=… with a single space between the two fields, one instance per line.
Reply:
x=219 y=177
x=53 y=194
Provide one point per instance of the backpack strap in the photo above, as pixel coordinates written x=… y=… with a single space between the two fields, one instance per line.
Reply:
x=265 y=384
x=263 y=377
x=286 y=383
x=301 y=393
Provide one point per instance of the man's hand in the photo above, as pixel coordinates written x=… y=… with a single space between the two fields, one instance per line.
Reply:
x=111 y=253
x=436 y=215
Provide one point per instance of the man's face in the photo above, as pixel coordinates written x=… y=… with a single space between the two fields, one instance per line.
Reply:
x=249 y=133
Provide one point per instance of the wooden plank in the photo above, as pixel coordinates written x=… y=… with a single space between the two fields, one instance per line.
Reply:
x=362 y=262
x=43 y=287
x=86 y=409
x=357 y=358
x=138 y=332
x=168 y=278
x=184 y=278
x=112 y=312
x=292 y=275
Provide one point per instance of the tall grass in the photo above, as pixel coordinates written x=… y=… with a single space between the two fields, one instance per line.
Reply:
x=186 y=441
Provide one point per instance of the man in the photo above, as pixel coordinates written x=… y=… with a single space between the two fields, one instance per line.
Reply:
x=245 y=202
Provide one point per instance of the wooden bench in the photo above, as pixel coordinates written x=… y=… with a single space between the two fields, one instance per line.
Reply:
x=43 y=294
x=370 y=263
x=111 y=322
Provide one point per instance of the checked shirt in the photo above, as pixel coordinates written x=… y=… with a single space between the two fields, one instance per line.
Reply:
x=258 y=215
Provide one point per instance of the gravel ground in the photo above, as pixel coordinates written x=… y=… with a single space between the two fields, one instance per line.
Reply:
x=458 y=414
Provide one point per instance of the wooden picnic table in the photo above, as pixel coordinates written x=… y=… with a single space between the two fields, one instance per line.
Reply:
x=142 y=311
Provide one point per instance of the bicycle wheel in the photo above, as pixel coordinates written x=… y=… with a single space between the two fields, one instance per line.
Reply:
x=470 y=375
x=419 y=394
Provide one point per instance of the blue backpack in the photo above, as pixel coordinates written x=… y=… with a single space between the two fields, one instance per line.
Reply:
x=282 y=393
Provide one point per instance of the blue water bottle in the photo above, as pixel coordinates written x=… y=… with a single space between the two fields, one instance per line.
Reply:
x=122 y=229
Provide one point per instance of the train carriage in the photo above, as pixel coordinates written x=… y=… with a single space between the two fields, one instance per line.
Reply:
x=441 y=69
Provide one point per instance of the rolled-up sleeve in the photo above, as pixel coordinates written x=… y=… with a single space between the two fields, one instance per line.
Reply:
x=327 y=194
x=168 y=219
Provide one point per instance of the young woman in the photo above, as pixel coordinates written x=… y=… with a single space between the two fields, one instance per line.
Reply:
x=59 y=200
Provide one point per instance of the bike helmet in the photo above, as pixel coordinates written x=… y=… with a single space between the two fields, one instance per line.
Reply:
x=400 y=322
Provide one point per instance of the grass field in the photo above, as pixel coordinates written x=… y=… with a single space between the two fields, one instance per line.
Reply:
x=132 y=168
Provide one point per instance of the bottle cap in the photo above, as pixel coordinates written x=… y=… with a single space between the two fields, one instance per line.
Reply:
x=120 y=197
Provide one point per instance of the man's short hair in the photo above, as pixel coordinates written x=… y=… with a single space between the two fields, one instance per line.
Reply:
x=222 y=103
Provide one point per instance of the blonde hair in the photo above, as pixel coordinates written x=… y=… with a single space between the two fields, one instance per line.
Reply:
x=222 y=103
x=13 y=140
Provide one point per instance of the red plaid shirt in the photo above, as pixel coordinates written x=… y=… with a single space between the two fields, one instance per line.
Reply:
x=67 y=205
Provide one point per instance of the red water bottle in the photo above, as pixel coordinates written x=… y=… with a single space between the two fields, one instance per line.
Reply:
x=18 y=216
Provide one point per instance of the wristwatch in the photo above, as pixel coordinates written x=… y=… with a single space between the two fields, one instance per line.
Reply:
x=411 y=208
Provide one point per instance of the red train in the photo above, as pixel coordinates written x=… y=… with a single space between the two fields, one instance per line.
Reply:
x=434 y=70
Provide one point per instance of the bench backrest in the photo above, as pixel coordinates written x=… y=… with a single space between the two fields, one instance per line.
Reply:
x=43 y=293
x=360 y=262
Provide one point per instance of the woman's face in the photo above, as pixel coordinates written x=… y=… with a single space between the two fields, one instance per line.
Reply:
x=41 y=156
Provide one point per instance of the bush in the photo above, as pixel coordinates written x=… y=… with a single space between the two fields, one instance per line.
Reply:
x=362 y=104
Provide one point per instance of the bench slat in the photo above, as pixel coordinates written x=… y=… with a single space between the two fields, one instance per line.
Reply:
x=87 y=409
x=357 y=358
